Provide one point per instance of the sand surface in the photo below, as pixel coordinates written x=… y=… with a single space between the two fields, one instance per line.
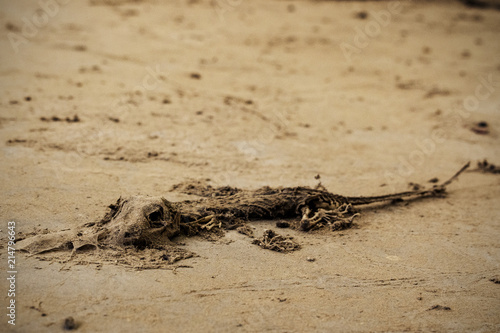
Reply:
x=251 y=93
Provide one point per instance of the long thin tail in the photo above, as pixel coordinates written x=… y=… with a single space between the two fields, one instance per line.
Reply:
x=435 y=190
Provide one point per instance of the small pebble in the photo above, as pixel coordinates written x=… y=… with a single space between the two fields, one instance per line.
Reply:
x=361 y=15
x=69 y=324
x=282 y=225
x=195 y=76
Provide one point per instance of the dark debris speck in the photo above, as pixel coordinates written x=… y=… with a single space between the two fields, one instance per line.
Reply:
x=69 y=324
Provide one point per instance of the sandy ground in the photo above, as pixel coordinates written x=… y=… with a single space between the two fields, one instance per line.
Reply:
x=251 y=93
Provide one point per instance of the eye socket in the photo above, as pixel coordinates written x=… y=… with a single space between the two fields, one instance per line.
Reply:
x=155 y=217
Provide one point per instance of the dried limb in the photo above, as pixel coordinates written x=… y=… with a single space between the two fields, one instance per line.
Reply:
x=436 y=190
